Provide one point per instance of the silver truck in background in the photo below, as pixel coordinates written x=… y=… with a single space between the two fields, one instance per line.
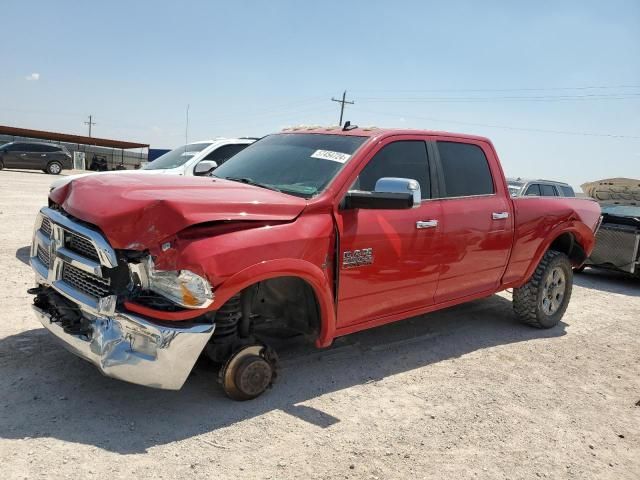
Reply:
x=527 y=187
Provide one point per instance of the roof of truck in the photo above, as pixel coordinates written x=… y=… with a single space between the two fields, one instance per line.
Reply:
x=375 y=131
x=523 y=180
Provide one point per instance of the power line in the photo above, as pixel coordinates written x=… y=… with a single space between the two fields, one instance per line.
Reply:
x=525 y=89
x=342 y=103
x=309 y=108
x=506 y=127
x=527 y=98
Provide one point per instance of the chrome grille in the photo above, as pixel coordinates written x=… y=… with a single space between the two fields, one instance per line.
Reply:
x=43 y=255
x=85 y=282
x=71 y=258
x=80 y=245
x=46 y=226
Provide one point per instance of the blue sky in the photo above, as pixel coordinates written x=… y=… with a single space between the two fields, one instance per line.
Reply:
x=250 y=68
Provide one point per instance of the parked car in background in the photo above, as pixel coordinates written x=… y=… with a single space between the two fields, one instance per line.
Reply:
x=307 y=235
x=521 y=187
x=618 y=238
x=48 y=157
x=193 y=159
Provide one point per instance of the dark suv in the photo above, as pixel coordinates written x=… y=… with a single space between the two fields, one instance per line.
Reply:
x=47 y=157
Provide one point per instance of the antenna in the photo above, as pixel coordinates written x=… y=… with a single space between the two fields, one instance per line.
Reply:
x=186 y=129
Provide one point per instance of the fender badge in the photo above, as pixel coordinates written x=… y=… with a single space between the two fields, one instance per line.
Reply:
x=357 y=258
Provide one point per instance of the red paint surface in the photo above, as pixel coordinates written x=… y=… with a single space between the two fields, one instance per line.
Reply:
x=469 y=255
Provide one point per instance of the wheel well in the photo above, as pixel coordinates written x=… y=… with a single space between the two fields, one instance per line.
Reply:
x=567 y=244
x=271 y=312
x=290 y=301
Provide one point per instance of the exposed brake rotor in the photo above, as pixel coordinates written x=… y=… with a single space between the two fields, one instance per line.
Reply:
x=249 y=372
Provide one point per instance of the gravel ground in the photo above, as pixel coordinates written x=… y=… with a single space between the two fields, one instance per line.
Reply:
x=463 y=393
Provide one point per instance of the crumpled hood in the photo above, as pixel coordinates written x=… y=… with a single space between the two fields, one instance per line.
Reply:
x=138 y=211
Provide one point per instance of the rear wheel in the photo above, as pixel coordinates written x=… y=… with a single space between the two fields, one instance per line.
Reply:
x=54 y=168
x=1 y=164
x=542 y=301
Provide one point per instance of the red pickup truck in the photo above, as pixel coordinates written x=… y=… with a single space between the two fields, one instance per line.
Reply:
x=311 y=233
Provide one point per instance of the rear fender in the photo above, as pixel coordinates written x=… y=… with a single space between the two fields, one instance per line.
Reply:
x=308 y=272
x=583 y=237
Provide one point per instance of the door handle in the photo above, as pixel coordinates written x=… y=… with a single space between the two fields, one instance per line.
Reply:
x=426 y=224
x=23 y=154
x=500 y=215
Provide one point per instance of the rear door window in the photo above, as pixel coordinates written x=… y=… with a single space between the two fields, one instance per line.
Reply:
x=465 y=170
x=548 y=190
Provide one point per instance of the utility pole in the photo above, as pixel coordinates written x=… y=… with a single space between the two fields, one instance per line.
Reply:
x=90 y=123
x=186 y=129
x=342 y=103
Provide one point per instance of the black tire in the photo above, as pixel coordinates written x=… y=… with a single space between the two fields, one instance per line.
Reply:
x=54 y=168
x=1 y=164
x=542 y=301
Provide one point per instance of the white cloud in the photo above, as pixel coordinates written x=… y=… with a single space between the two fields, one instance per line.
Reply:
x=33 y=77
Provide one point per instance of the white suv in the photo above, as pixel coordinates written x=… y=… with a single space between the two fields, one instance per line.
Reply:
x=197 y=158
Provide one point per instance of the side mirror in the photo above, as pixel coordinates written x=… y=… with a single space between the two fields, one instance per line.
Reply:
x=389 y=194
x=205 y=167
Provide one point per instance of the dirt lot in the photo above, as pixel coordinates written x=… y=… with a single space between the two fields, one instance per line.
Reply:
x=465 y=393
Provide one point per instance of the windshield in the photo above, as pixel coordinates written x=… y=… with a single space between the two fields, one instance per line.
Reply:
x=177 y=157
x=297 y=164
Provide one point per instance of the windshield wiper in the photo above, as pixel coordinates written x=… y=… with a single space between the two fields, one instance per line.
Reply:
x=251 y=181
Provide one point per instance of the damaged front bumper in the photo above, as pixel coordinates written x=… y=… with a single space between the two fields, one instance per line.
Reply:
x=132 y=349
x=76 y=300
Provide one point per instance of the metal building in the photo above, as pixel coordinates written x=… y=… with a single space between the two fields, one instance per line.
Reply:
x=116 y=152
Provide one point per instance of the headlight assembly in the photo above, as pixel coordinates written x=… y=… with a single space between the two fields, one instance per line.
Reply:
x=182 y=287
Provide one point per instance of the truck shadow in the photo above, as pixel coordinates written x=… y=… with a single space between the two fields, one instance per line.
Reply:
x=23 y=254
x=48 y=392
x=608 y=281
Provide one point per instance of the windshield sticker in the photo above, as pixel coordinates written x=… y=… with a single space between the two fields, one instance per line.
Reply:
x=329 y=155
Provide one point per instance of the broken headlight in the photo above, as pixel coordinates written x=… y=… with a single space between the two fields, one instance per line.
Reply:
x=182 y=287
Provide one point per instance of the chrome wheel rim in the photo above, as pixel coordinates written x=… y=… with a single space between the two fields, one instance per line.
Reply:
x=54 y=168
x=553 y=292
